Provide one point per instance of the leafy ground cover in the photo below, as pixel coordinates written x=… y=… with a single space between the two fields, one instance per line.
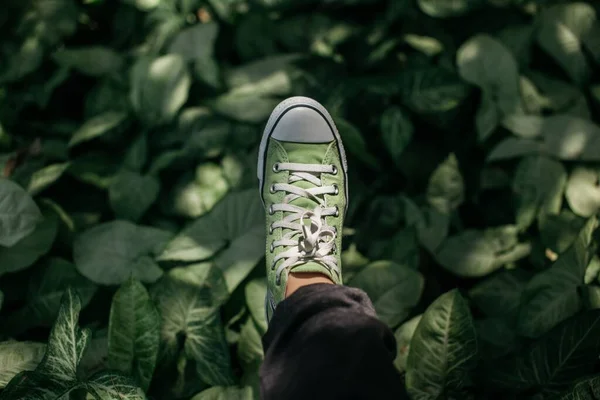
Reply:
x=128 y=136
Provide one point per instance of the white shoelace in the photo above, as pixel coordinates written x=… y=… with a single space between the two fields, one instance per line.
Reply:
x=309 y=237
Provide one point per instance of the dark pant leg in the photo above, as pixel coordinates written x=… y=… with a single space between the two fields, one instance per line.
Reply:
x=325 y=342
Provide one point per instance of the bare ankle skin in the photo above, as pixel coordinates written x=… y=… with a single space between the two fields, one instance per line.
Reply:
x=297 y=280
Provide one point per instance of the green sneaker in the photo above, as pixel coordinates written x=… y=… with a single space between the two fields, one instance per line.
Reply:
x=302 y=174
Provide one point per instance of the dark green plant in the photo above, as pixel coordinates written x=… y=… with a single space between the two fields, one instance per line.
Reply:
x=128 y=139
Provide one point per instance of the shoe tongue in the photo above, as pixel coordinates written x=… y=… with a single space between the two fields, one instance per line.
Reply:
x=304 y=153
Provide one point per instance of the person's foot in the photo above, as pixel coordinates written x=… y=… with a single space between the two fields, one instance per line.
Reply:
x=302 y=175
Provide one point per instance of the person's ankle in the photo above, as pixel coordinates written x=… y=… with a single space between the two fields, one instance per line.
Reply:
x=297 y=280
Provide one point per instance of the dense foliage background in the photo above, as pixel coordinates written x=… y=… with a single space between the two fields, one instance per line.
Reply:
x=128 y=137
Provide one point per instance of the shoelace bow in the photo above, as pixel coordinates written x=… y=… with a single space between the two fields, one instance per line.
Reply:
x=309 y=237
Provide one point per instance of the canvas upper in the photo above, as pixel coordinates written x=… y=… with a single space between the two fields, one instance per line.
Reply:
x=302 y=174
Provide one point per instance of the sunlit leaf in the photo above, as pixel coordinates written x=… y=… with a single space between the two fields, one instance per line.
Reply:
x=159 y=88
x=583 y=191
x=236 y=226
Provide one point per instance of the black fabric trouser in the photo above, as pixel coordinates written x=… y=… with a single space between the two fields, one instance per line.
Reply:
x=325 y=342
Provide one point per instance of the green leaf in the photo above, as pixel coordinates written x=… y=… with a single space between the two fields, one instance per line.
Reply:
x=583 y=192
x=485 y=62
x=188 y=300
x=355 y=143
x=446 y=188
x=110 y=386
x=16 y=357
x=396 y=130
x=560 y=96
x=475 y=253
x=585 y=389
x=552 y=363
x=552 y=295
x=443 y=350
x=19 y=214
x=403 y=336
x=56 y=373
x=159 y=88
x=244 y=107
x=558 y=232
x=562 y=136
x=538 y=186
x=93 y=61
x=131 y=194
x=46 y=287
x=225 y=393
x=111 y=253
x=515 y=147
x=431 y=225
x=563 y=32
x=143 y=5
x=137 y=154
x=45 y=177
x=500 y=294
x=98 y=126
x=196 y=195
x=29 y=249
x=250 y=350
x=195 y=42
x=447 y=8
x=256 y=291
x=234 y=228
x=266 y=77
x=133 y=333
x=393 y=288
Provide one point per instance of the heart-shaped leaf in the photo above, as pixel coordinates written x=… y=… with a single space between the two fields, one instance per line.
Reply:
x=131 y=194
x=111 y=253
x=238 y=220
x=393 y=288
x=188 y=300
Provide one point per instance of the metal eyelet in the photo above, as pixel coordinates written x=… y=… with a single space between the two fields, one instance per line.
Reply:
x=334 y=230
x=276 y=167
x=271 y=211
x=272 y=248
x=337 y=190
x=334 y=170
x=337 y=212
x=272 y=188
x=270 y=229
